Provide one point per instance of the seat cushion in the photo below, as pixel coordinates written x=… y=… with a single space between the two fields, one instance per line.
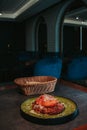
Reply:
x=48 y=67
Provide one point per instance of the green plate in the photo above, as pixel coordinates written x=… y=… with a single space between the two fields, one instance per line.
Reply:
x=70 y=112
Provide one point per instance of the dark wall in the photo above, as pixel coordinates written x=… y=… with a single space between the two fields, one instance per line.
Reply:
x=84 y=39
x=71 y=40
x=13 y=35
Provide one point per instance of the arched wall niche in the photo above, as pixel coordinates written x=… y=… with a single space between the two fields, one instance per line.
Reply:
x=54 y=19
x=59 y=23
x=41 y=36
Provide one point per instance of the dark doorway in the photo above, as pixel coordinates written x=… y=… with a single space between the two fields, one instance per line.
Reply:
x=41 y=37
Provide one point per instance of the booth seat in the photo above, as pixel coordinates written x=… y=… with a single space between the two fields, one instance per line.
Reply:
x=76 y=69
x=50 y=66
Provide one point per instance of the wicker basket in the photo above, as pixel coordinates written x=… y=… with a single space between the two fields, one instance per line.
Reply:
x=36 y=84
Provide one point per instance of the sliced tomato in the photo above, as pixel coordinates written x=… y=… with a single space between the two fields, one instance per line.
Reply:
x=49 y=103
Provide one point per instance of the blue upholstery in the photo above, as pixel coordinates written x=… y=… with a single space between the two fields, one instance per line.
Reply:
x=77 y=69
x=48 y=67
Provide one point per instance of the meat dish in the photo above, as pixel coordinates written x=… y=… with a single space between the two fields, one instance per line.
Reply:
x=48 y=104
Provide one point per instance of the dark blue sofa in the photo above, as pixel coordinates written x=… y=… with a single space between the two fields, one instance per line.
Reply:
x=76 y=69
x=50 y=66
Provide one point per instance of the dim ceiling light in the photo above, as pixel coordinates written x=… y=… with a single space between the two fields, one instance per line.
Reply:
x=0 y=13
x=77 y=18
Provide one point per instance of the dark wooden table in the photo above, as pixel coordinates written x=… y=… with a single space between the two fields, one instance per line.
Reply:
x=11 y=119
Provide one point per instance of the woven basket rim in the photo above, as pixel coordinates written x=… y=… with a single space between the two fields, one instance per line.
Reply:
x=54 y=79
